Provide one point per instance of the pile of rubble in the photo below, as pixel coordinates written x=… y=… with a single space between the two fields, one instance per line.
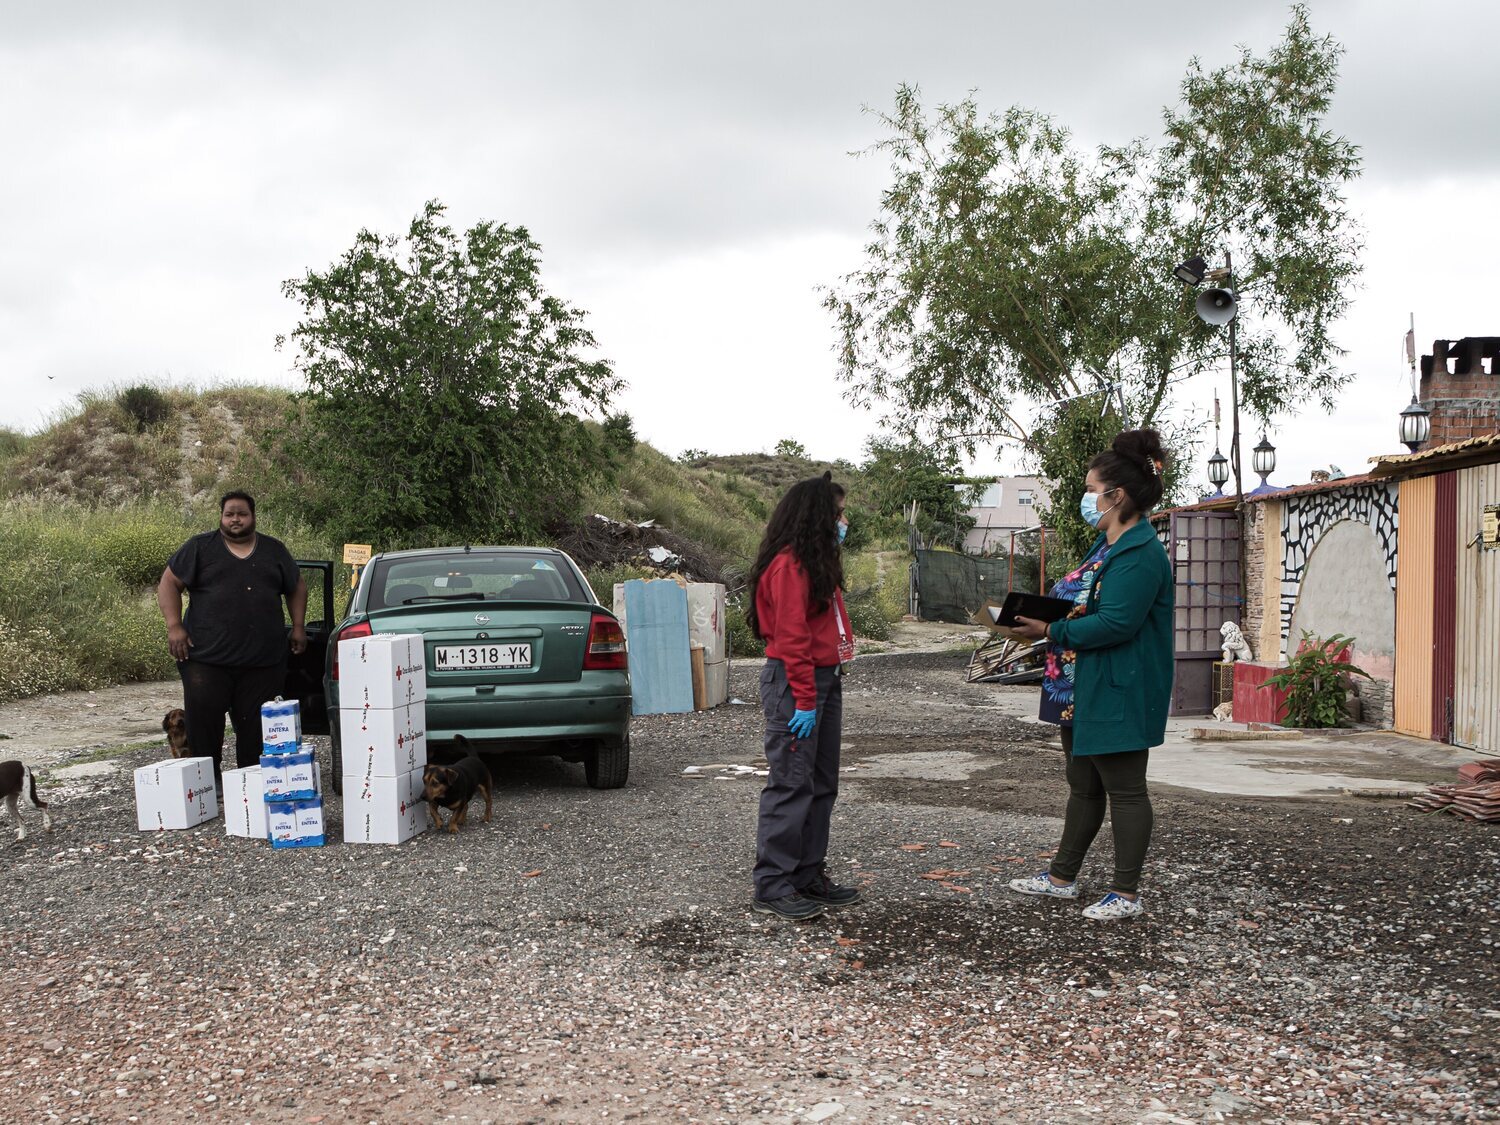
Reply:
x=599 y=542
x=1475 y=797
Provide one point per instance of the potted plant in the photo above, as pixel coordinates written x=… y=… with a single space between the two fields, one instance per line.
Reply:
x=1316 y=681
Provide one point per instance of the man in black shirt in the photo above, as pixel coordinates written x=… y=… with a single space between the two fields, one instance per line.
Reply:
x=231 y=649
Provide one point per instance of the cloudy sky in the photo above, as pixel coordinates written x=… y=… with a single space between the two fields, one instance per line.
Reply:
x=686 y=168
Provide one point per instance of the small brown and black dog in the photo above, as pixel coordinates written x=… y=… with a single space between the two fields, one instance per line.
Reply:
x=175 y=724
x=453 y=786
x=17 y=782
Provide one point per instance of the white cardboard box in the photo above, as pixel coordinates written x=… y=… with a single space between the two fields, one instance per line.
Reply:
x=281 y=820
x=280 y=725
x=178 y=793
x=386 y=670
x=384 y=810
x=310 y=831
x=245 y=804
x=383 y=741
x=303 y=780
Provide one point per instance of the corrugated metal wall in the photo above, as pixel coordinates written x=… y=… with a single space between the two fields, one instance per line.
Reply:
x=1445 y=574
x=1476 y=689
x=1415 y=557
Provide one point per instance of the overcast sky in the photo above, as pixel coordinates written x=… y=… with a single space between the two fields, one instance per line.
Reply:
x=685 y=167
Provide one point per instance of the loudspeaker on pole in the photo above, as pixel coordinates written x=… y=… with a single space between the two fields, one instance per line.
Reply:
x=1216 y=306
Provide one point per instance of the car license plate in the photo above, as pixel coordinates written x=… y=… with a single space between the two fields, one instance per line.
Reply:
x=447 y=658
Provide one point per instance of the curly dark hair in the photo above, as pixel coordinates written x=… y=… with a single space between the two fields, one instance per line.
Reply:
x=1137 y=462
x=804 y=521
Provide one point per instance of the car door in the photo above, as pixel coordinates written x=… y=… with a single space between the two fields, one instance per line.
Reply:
x=304 y=670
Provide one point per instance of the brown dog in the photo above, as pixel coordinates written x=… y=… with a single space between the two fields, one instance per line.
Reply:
x=17 y=783
x=175 y=724
x=453 y=787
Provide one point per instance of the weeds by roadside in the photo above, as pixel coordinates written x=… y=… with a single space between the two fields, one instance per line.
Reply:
x=77 y=591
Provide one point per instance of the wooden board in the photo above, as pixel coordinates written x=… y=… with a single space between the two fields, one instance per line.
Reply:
x=700 y=682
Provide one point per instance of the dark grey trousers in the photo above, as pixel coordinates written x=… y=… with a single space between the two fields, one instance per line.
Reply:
x=1092 y=779
x=796 y=806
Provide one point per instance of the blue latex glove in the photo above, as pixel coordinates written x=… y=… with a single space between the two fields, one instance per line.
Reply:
x=802 y=723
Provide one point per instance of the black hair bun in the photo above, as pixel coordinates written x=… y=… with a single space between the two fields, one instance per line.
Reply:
x=1142 y=447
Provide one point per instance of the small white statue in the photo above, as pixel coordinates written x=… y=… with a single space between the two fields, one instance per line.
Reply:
x=1234 y=645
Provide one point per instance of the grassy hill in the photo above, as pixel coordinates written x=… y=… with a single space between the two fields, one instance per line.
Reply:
x=91 y=508
x=143 y=443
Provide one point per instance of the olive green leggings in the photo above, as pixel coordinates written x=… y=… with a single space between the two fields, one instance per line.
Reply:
x=1121 y=778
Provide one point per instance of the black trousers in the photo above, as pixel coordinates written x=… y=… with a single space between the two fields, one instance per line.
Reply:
x=210 y=690
x=796 y=806
x=1092 y=779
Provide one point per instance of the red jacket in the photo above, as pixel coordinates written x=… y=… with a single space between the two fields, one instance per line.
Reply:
x=799 y=638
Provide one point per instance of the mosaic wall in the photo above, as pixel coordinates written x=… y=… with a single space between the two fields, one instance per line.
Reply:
x=1304 y=519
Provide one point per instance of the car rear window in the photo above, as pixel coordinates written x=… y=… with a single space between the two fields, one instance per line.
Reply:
x=431 y=579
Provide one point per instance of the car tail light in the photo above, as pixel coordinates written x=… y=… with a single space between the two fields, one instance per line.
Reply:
x=606 y=649
x=358 y=629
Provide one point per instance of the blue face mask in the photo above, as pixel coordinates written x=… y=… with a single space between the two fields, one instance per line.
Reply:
x=843 y=530
x=1088 y=508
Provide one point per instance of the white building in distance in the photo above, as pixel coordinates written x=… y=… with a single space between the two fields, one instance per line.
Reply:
x=1008 y=504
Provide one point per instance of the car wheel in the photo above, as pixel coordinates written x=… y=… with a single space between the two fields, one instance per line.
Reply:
x=609 y=765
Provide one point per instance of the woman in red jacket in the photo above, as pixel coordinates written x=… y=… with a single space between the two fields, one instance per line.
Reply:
x=797 y=608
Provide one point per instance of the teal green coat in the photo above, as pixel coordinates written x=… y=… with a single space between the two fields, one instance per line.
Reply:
x=1122 y=682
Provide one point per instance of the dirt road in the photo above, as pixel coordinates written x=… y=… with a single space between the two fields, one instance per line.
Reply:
x=590 y=956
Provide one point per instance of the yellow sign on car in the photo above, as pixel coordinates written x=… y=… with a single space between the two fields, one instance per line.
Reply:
x=356 y=554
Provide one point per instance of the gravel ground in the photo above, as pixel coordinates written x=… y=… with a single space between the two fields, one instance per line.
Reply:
x=591 y=956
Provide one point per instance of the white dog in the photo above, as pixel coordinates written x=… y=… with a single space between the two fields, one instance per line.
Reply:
x=1224 y=713
x=1233 y=645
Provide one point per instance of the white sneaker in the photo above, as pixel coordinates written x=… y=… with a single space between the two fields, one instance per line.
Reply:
x=1042 y=884
x=1113 y=906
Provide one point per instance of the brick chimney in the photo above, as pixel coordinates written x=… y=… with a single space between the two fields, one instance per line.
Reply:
x=1461 y=388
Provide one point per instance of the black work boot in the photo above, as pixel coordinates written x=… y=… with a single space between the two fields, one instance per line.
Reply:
x=792 y=907
x=826 y=891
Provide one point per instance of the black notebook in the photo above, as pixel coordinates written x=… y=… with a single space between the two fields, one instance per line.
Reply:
x=1034 y=606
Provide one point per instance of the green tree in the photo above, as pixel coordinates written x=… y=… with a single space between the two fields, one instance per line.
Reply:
x=787 y=447
x=619 y=433
x=444 y=386
x=897 y=472
x=1009 y=273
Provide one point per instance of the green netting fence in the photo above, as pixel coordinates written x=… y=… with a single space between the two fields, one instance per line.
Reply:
x=951 y=587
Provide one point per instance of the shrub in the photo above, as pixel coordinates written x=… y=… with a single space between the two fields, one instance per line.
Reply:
x=33 y=661
x=136 y=550
x=742 y=642
x=144 y=405
x=875 y=593
x=619 y=433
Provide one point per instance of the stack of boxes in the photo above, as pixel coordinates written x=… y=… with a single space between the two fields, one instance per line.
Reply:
x=288 y=779
x=383 y=737
x=175 y=794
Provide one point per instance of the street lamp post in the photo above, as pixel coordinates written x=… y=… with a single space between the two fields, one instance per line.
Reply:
x=1416 y=425
x=1218 y=466
x=1263 y=459
x=1219 y=306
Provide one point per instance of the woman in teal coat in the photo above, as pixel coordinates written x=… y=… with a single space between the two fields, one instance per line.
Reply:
x=1109 y=673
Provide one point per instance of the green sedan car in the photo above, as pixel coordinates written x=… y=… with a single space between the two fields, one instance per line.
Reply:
x=520 y=655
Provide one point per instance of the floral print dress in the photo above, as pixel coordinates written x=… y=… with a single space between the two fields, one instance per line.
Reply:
x=1057 y=680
